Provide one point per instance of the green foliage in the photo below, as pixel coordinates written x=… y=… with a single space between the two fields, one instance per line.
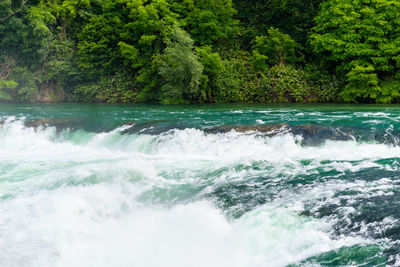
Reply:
x=129 y=35
x=288 y=84
x=18 y=83
x=277 y=84
x=213 y=66
x=293 y=17
x=58 y=14
x=24 y=41
x=362 y=40
x=97 y=48
x=244 y=51
x=5 y=86
x=181 y=70
x=324 y=87
x=246 y=85
x=150 y=81
x=207 y=21
x=241 y=83
x=22 y=38
x=61 y=67
x=126 y=32
x=120 y=88
x=362 y=82
x=390 y=91
x=27 y=88
x=63 y=9
x=275 y=48
x=229 y=83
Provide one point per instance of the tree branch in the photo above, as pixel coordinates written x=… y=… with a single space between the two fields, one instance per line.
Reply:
x=15 y=12
x=6 y=68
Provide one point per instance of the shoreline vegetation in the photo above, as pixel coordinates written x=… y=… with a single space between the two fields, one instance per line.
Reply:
x=200 y=51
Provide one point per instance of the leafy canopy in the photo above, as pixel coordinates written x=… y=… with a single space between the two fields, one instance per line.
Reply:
x=274 y=48
x=361 y=38
x=180 y=70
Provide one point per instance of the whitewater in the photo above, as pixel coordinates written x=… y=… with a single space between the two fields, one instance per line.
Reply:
x=94 y=185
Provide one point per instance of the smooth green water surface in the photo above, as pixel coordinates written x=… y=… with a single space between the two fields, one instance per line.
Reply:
x=141 y=185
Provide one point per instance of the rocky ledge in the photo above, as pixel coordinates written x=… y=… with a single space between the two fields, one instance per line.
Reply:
x=312 y=134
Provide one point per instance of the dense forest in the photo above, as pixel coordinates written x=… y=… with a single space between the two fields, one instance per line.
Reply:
x=200 y=51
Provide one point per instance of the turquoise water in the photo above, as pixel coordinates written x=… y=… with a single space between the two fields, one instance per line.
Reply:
x=122 y=185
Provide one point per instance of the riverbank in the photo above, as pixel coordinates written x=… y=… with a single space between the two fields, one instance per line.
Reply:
x=173 y=52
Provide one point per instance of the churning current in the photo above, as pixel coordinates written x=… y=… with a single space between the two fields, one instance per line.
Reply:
x=199 y=186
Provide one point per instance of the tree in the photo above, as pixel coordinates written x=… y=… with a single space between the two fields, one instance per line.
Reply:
x=362 y=40
x=24 y=42
x=274 y=48
x=5 y=72
x=293 y=17
x=12 y=13
x=181 y=70
x=127 y=36
x=207 y=21
x=287 y=84
x=213 y=67
x=4 y=85
x=127 y=33
x=21 y=38
x=59 y=12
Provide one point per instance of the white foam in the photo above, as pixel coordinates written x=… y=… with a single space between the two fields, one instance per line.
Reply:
x=101 y=225
x=69 y=203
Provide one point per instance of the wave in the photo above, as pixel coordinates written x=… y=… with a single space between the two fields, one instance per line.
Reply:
x=185 y=144
x=99 y=226
x=238 y=198
x=311 y=134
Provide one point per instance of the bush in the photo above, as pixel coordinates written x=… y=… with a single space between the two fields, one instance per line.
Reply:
x=323 y=86
x=275 y=48
x=287 y=84
x=213 y=67
x=5 y=86
x=120 y=88
x=180 y=70
x=27 y=89
x=227 y=84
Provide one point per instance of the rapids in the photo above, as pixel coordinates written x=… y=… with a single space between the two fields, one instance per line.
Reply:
x=120 y=185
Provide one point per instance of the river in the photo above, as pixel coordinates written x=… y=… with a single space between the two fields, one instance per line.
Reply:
x=201 y=185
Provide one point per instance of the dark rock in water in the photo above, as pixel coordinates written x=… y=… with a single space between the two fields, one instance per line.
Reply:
x=392 y=252
x=1 y=122
x=326 y=210
x=128 y=123
x=266 y=128
x=60 y=124
x=385 y=137
x=305 y=213
x=153 y=127
x=46 y=122
x=313 y=134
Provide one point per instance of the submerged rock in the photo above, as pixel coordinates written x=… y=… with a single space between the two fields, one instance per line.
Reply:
x=128 y=123
x=312 y=134
x=60 y=124
x=266 y=128
x=152 y=127
x=305 y=213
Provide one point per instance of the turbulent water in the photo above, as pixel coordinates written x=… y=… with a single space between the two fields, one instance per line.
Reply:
x=94 y=185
